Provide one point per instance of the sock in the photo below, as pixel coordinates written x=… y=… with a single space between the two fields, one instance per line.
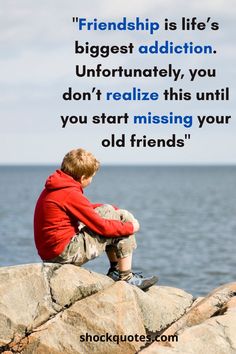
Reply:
x=113 y=265
x=125 y=274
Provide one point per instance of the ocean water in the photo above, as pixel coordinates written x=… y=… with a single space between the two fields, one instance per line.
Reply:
x=187 y=217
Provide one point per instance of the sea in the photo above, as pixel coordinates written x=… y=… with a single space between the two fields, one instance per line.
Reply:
x=187 y=216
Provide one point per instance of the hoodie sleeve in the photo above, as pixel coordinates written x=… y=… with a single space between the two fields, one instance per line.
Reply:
x=96 y=205
x=99 y=204
x=81 y=208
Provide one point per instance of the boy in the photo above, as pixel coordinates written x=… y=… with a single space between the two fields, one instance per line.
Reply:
x=68 y=228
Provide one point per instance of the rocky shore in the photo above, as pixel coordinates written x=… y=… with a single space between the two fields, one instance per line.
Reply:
x=53 y=308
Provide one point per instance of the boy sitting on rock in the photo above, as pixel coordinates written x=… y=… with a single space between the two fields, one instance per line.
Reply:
x=68 y=228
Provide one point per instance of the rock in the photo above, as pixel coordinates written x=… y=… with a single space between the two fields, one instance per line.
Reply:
x=231 y=305
x=113 y=311
x=118 y=311
x=25 y=301
x=218 y=301
x=78 y=283
x=31 y=294
x=204 y=309
x=44 y=307
x=214 y=336
x=53 y=308
x=161 y=305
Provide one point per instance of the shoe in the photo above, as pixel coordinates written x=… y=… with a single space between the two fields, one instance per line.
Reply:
x=113 y=274
x=142 y=283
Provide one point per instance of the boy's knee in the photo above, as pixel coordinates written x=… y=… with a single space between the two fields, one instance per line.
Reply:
x=107 y=211
x=125 y=215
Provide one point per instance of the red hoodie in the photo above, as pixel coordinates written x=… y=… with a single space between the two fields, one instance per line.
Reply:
x=60 y=208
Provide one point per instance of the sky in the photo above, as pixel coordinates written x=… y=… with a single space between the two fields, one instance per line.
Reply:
x=38 y=60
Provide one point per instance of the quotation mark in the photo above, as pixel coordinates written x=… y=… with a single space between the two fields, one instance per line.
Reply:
x=75 y=19
x=186 y=136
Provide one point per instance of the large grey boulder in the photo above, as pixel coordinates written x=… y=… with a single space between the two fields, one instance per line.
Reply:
x=214 y=336
x=113 y=311
x=45 y=308
x=53 y=309
x=208 y=327
x=161 y=305
x=31 y=294
x=25 y=301
x=119 y=312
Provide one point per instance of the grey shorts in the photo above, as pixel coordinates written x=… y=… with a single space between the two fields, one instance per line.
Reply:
x=87 y=245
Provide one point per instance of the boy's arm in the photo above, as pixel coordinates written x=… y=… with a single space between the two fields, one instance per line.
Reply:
x=81 y=208
x=96 y=205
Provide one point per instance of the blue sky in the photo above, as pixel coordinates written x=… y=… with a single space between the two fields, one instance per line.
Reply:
x=38 y=62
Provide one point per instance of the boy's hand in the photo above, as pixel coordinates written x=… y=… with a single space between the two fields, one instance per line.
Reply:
x=135 y=225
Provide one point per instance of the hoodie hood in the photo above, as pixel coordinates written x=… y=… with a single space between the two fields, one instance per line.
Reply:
x=59 y=180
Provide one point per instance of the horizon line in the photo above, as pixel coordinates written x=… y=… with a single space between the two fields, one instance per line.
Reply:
x=202 y=164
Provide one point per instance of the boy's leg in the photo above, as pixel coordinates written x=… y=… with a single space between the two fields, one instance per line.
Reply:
x=125 y=264
x=119 y=263
x=113 y=262
x=88 y=245
x=80 y=250
x=119 y=250
x=123 y=251
x=111 y=255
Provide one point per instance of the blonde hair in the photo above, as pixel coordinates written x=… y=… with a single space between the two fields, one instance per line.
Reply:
x=78 y=163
